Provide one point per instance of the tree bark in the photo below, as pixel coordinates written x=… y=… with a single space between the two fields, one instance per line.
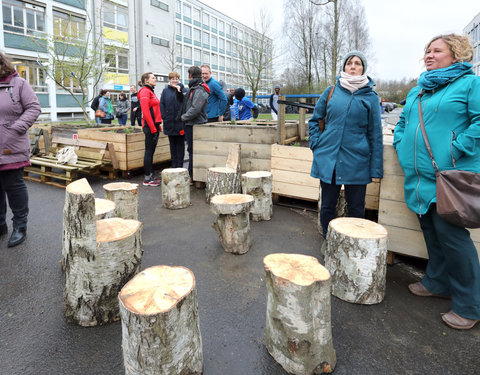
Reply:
x=175 y=188
x=104 y=209
x=259 y=185
x=221 y=180
x=125 y=196
x=356 y=256
x=160 y=325
x=232 y=222
x=298 y=331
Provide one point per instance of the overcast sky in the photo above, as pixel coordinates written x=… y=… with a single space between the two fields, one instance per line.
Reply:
x=399 y=30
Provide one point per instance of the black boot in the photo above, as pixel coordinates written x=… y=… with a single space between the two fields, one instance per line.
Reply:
x=3 y=230
x=17 y=237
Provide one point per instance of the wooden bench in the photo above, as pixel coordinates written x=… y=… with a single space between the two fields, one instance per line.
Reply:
x=91 y=157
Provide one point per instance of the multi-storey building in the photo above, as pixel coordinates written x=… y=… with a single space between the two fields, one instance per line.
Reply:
x=473 y=32
x=137 y=36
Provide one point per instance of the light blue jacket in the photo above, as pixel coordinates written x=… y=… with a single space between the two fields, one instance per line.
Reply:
x=352 y=142
x=217 y=101
x=452 y=121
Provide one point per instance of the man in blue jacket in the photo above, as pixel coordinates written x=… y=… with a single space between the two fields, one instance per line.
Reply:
x=217 y=101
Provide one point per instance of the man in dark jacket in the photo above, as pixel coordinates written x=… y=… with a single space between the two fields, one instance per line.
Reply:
x=94 y=106
x=193 y=111
x=135 y=110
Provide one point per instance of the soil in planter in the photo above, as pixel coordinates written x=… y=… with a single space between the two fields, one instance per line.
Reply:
x=125 y=130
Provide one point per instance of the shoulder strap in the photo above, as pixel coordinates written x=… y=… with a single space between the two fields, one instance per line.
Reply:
x=424 y=133
x=330 y=94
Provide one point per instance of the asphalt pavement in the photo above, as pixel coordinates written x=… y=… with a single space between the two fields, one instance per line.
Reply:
x=402 y=335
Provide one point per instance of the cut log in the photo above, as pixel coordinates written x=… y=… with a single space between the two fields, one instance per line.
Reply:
x=298 y=331
x=175 y=188
x=232 y=222
x=125 y=196
x=356 y=256
x=160 y=326
x=104 y=208
x=95 y=275
x=258 y=184
x=221 y=180
x=234 y=159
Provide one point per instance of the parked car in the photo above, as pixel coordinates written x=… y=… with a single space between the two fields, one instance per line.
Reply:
x=389 y=106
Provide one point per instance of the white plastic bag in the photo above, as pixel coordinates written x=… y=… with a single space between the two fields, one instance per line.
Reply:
x=67 y=155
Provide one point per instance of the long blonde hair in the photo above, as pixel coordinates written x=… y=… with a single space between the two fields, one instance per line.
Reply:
x=459 y=45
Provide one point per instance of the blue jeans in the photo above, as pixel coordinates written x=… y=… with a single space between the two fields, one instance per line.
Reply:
x=453 y=267
x=12 y=186
x=122 y=119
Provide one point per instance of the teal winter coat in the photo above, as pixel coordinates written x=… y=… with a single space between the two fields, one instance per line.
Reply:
x=451 y=115
x=352 y=142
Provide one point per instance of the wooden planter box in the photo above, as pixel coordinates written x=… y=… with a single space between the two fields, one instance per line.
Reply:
x=129 y=148
x=211 y=142
x=290 y=168
x=404 y=233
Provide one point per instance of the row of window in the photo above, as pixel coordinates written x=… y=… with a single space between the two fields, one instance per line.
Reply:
x=23 y=18
x=474 y=33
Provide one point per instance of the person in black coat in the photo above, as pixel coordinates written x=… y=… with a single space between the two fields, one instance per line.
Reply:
x=171 y=103
x=135 y=110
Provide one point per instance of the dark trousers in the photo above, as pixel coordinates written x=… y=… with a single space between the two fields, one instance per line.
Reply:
x=136 y=115
x=354 y=195
x=212 y=119
x=453 y=267
x=189 y=138
x=106 y=120
x=12 y=186
x=151 y=141
x=177 y=150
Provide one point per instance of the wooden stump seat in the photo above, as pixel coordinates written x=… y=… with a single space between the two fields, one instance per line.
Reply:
x=232 y=222
x=356 y=256
x=160 y=325
x=220 y=180
x=104 y=208
x=298 y=331
x=100 y=256
x=175 y=188
x=125 y=196
x=258 y=184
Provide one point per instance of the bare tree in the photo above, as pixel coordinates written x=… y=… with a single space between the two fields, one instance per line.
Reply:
x=170 y=59
x=256 y=59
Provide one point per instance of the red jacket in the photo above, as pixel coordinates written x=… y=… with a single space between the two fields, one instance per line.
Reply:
x=150 y=108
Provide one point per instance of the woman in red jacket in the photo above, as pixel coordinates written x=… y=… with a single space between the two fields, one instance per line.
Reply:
x=152 y=119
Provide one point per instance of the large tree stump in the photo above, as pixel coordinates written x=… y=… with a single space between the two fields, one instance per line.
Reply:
x=221 y=180
x=175 y=188
x=234 y=159
x=232 y=222
x=125 y=196
x=258 y=184
x=356 y=256
x=99 y=257
x=298 y=331
x=160 y=326
x=104 y=208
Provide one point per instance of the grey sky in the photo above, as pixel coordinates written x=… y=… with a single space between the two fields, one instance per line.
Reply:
x=399 y=29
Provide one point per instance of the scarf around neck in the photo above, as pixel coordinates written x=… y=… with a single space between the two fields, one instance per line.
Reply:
x=432 y=79
x=352 y=83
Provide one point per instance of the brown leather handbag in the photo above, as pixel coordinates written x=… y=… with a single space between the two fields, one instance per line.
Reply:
x=321 y=123
x=458 y=192
x=99 y=113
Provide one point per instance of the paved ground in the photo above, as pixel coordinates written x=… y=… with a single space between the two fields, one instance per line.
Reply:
x=402 y=335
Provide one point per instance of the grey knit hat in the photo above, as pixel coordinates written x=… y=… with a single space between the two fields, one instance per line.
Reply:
x=360 y=55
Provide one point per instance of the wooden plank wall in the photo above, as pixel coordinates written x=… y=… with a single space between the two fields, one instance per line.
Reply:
x=404 y=233
x=211 y=142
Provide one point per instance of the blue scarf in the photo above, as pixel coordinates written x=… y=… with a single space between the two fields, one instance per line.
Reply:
x=430 y=80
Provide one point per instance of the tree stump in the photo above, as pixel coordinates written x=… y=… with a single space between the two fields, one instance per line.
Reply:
x=175 y=188
x=125 y=196
x=232 y=222
x=104 y=208
x=298 y=331
x=160 y=326
x=234 y=159
x=259 y=185
x=221 y=180
x=356 y=256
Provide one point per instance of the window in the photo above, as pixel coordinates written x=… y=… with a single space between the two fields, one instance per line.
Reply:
x=240 y=35
x=206 y=57
x=187 y=31
x=196 y=14
x=117 y=60
x=229 y=46
x=178 y=28
x=178 y=51
x=221 y=26
x=197 y=55
x=206 y=38
x=33 y=72
x=197 y=35
x=66 y=25
x=214 y=59
x=23 y=18
x=228 y=65
x=214 y=41
x=187 y=52
x=187 y=11
x=178 y=6
x=206 y=19
x=234 y=31
x=115 y=16
x=221 y=43
x=229 y=29
x=160 y=42
x=222 y=61
x=159 y=4
x=214 y=23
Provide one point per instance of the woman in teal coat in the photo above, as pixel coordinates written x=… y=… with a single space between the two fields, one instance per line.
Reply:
x=450 y=98
x=350 y=150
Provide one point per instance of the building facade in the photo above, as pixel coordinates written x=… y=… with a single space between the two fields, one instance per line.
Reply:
x=473 y=32
x=137 y=36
